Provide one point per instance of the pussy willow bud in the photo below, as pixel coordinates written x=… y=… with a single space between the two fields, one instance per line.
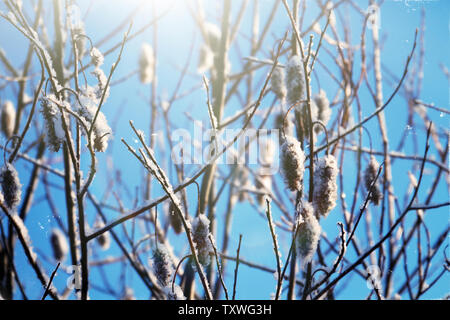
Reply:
x=177 y=293
x=288 y=126
x=54 y=133
x=11 y=186
x=305 y=122
x=162 y=265
x=324 y=110
x=325 y=185
x=263 y=184
x=59 y=245
x=308 y=233
x=295 y=80
x=266 y=152
x=174 y=218
x=80 y=40
x=200 y=236
x=205 y=59
x=88 y=109
x=104 y=240
x=242 y=178
x=128 y=294
x=278 y=84
x=146 y=64
x=292 y=160
x=8 y=119
x=370 y=175
x=213 y=36
x=96 y=57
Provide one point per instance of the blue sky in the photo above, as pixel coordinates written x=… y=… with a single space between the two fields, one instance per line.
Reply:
x=176 y=33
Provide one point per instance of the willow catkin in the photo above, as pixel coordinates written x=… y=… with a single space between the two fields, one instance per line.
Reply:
x=281 y=124
x=88 y=109
x=278 y=84
x=162 y=265
x=213 y=36
x=370 y=174
x=128 y=294
x=205 y=59
x=200 y=236
x=96 y=57
x=292 y=160
x=266 y=148
x=295 y=80
x=11 y=186
x=59 y=244
x=146 y=64
x=243 y=179
x=8 y=118
x=263 y=184
x=80 y=40
x=325 y=185
x=54 y=133
x=308 y=233
x=104 y=240
x=174 y=218
x=176 y=294
x=323 y=109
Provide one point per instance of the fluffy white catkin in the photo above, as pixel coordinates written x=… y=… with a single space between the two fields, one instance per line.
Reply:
x=369 y=176
x=59 y=245
x=96 y=57
x=177 y=293
x=213 y=36
x=162 y=265
x=324 y=110
x=278 y=84
x=54 y=133
x=325 y=185
x=292 y=160
x=264 y=184
x=205 y=59
x=80 y=40
x=295 y=80
x=89 y=104
x=11 y=186
x=8 y=118
x=308 y=233
x=146 y=64
x=200 y=236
